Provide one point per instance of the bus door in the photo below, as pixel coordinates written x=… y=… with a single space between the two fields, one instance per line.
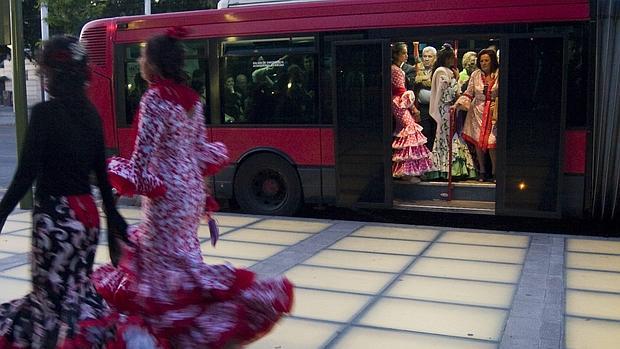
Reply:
x=531 y=125
x=360 y=73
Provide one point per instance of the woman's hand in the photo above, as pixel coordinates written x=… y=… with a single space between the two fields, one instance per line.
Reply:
x=456 y=73
x=117 y=233
x=416 y=114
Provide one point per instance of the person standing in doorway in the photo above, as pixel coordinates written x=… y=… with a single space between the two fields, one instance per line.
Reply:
x=424 y=73
x=480 y=102
x=410 y=157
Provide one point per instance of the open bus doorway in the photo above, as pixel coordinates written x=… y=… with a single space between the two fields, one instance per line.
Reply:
x=463 y=177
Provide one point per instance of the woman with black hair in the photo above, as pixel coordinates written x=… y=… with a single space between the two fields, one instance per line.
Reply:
x=187 y=303
x=480 y=102
x=444 y=90
x=63 y=145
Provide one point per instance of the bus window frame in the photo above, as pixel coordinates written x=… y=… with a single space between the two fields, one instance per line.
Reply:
x=388 y=200
x=120 y=82
x=216 y=118
x=502 y=130
x=119 y=85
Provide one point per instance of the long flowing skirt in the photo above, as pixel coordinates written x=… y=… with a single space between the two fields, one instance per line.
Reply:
x=64 y=310
x=462 y=162
x=410 y=156
x=186 y=302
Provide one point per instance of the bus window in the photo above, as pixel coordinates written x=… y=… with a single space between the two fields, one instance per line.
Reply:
x=196 y=73
x=269 y=82
x=197 y=70
x=134 y=84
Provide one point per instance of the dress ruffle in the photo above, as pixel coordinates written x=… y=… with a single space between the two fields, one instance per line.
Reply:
x=410 y=153
x=411 y=168
x=111 y=332
x=212 y=156
x=462 y=163
x=410 y=157
x=123 y=177
x=220 y=301
x=410 y=136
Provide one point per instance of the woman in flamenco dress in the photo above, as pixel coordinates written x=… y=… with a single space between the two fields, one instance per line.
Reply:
x=410 y=156
x=185 y=302
x=63 y=146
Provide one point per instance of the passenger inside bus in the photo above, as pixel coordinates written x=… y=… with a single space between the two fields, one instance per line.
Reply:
x=444 y=91
x=233 y=107
x=410 y=157
x=294 y=101
x=481 y=97
x=135 y=90
x=471 y=158
x=197 y=83
x=280 y=91
x=241 y=86
x=422 y=90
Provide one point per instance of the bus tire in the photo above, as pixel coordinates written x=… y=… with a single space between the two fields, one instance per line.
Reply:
x=267 y=184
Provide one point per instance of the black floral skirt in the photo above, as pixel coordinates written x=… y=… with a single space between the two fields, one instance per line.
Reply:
x=63 y=310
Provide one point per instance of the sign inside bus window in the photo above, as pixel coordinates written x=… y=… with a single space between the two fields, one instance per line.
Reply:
x=262 y=64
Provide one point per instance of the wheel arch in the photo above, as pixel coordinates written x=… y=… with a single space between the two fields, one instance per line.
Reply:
x=270 y=151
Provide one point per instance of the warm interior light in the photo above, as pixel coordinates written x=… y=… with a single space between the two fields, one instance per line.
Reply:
x=522 y=186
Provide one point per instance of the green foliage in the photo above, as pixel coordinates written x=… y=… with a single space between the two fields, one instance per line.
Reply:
x=32 y=26
x=162 y=6
x=68 y=16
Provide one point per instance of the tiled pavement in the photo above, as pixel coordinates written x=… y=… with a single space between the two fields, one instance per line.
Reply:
x=367 y=285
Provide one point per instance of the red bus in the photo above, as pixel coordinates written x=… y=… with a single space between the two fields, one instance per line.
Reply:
x=332 y=144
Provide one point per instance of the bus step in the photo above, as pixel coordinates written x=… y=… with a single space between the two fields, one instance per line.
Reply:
x=454 y=206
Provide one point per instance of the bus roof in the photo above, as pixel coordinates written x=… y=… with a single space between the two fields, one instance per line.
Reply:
x=233 y=3
x=314 y=16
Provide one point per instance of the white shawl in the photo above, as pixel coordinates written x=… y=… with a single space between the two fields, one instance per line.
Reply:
x=440 y=75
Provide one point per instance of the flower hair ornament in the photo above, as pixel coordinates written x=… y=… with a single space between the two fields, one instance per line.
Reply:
x=78 y=52
x=446 y=46
x=177 y=32
x=74 y=52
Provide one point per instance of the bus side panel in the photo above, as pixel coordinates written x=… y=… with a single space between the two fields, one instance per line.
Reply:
x=328 y=169
x=575 y=151
x=300 y=146
x=99 y=92
x=573 y=186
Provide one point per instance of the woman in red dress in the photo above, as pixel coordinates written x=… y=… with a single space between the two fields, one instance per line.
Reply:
x=187 y=303
x=410 y=157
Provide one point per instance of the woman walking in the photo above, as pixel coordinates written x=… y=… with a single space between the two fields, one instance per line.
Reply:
x=63 y=145
x=189 y=304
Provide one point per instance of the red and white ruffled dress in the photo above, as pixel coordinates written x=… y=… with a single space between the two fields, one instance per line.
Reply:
x=410 y=156
x=186 y=303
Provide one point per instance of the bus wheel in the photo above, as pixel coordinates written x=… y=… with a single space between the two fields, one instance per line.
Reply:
x=267 y=184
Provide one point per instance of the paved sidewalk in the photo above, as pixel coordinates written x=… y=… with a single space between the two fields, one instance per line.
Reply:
x=369 y=285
